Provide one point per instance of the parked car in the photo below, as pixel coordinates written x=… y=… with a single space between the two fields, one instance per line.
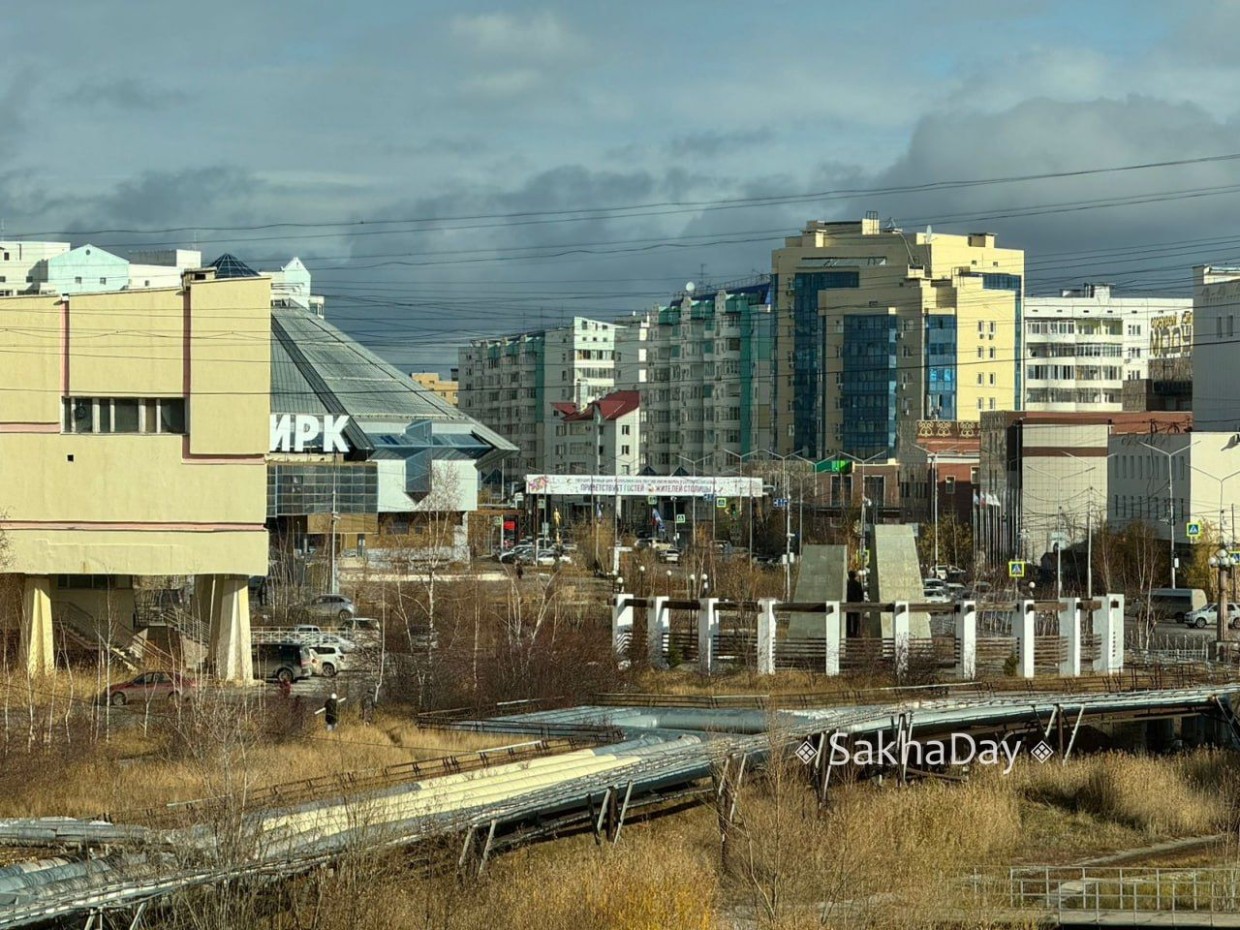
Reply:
x=1206 y=616
x=284 y=662
x=671 y=556
x=306 y=628
x=516 y=553
x=327 y=661
x=1176 y=603
x=150 y=686
x=326 y=607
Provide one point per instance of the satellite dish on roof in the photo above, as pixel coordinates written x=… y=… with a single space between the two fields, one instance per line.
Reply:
x=690 y=287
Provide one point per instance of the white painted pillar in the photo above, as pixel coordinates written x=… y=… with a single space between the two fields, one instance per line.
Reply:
x=37 y=644
x=833 y=620
x=1023 y=617
x=1070 y=630
x=900 y=636
x=230 y=629
x=622 y=623
x=1109 y=628
x=966 y=639
x=656 y=628
x=766 y=635
x=707 y=627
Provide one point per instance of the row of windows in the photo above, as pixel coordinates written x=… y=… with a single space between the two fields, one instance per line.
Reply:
x=124 y=415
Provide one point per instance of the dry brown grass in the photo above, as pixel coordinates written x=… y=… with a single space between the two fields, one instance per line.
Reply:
x=164 y=753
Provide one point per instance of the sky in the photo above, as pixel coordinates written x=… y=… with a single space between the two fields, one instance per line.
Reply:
x=454 y=170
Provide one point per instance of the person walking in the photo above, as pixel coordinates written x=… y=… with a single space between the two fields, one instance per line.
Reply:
x=331 y=711
x=856 y=594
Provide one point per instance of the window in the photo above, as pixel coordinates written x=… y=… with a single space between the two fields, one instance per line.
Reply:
x=625 y=430
x=624 y=450
x=124 y=415
x=992 y=378
x=77 y=280
x=103 y=280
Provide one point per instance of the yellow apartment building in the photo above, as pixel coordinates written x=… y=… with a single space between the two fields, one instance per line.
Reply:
x=133 y=433
x=878 y=328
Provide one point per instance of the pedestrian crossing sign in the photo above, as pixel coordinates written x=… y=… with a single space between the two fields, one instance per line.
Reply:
x=1193 y=529
x=1016 y=568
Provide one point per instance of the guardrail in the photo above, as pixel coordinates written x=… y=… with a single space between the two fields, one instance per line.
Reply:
x=1102 y=894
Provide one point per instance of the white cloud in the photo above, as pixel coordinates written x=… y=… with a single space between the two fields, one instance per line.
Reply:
x=504 y=85
x=541 y=37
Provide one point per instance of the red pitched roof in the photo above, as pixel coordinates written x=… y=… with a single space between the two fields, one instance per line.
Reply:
x=612 y=407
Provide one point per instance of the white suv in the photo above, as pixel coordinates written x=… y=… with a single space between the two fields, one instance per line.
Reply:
x=327 y=661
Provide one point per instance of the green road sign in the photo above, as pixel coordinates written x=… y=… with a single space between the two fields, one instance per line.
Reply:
x=1192 y=529
x=680 y=518
x=834 y=466
x=652 y=500
x=1016 y=568
x=721 y=503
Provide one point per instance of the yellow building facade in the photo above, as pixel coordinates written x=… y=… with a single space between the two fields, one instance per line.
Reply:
x=879 y=328
x=133 y=432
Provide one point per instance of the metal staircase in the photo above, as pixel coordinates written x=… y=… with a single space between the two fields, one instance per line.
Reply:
x=92 y=634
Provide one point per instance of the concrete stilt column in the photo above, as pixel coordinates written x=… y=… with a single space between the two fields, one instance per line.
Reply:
x=833 y=625
x=1109 y=628
x=1023 y=617
x=766 y=635
x=656 y=628
x=230 y=628
x=900 y=636
x=1116 y=609
x=1070 y=631
x=966 y=639
x=622 y=624
x=707 y=627
x=37 y=646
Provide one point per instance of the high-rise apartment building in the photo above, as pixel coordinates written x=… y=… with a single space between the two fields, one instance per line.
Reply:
x=1081 y=346
x=1216 y=380
x=877 y=329
x=702 y=366
x=510 y=382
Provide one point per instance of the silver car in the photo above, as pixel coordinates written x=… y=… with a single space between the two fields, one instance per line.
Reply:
x=329 y=607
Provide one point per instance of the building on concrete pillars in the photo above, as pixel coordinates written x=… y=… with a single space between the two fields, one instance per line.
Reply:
x=878 y=329
x=702 y=366
x=134 y=430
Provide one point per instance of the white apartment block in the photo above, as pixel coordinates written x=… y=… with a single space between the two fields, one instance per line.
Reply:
x=702 y=367
x=602 y=438
x=1081 y=346
x=1216 y=377
x=510 y=383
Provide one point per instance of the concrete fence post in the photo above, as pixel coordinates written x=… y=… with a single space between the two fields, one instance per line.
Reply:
x=900 y=636
x=656 y=628
x=766 y=635
x=966 y=639
x=1109 y=629
x=1070 y=630
x=834 y=636
x=622 y=623
x=1023 y=627
x=707 y=627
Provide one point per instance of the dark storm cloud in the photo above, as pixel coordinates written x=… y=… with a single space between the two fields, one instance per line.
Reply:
x=1112 y=210
x=712 y=143
x=125 y=94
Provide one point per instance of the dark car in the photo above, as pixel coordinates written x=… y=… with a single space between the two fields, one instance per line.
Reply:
x=150 y=686
x=283 y=662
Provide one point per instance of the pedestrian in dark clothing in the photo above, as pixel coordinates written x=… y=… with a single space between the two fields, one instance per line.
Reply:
x=331 y=711
x=520 y=572
x=856 y=594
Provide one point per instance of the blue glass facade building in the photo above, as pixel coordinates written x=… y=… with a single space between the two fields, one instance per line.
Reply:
x=808 y=346
x=868 y=391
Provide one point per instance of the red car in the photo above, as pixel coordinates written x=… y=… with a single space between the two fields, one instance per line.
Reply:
x=150 y=686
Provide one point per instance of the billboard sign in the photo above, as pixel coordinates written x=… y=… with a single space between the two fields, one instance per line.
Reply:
x=640 y=486
x=1171 y=336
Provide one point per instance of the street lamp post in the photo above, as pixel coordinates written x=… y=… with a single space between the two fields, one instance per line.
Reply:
x=787 y=493
x=693 y=498
x=1170 y=499
x=1221 y=560
x=861 y=463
